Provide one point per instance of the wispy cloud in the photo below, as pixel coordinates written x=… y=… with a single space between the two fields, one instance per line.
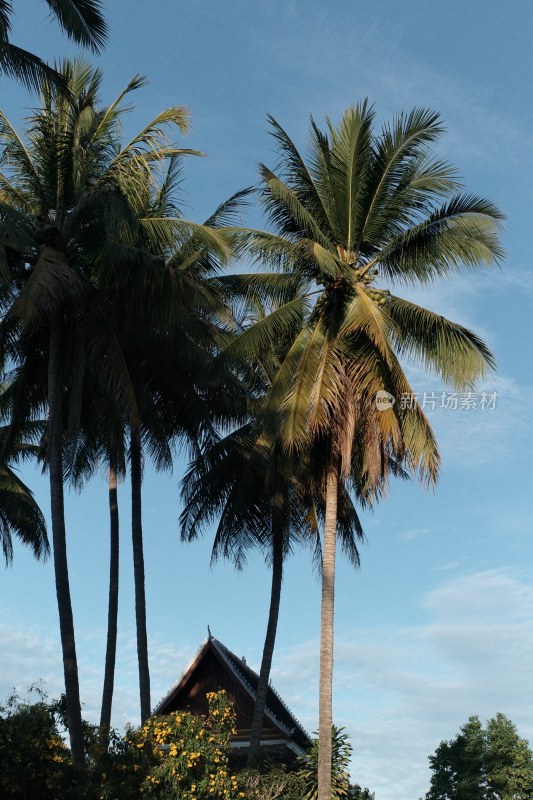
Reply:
x=31 y=655
x=414 y=533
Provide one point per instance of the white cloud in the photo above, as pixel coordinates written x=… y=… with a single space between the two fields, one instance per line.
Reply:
x=414 y=533
x=30 y=655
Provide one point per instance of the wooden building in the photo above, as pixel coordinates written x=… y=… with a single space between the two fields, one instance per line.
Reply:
x=214 y=668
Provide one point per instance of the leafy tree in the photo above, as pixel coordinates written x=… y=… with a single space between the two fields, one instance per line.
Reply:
x=179 y=755
x=35 y=762
x=364 y=205
x=508 y=762
x=81 y=20
x=483 y=763
x=458 y=765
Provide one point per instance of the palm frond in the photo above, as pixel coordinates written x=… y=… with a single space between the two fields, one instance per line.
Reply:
x=461 y=233
x=262 y=336
x=29 y=69
x=444 y=347
x=350 y=149
x=82 y=21
x=20 y=515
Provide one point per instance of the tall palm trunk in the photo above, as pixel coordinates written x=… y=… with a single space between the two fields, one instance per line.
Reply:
x=270 y=638
x=325 y=716
x=138 y=571
x=64 y=605
x=112 y=612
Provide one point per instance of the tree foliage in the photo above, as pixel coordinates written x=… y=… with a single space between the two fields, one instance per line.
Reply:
x=35 y=762
x=81 y=20
x=488 y=762
x=175 y=756
x=20 y=514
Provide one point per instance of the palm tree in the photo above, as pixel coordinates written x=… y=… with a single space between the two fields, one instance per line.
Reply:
x=169 y=357
x=81 y=20
x=365 y=206
x=261 y=502
x=66 y=199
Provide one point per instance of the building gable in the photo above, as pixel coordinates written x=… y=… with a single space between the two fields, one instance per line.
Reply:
x=215 y=667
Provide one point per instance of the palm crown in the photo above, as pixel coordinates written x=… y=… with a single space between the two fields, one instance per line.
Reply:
x=365 y=210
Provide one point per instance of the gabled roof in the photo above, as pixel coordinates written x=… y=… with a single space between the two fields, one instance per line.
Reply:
x=276 y=711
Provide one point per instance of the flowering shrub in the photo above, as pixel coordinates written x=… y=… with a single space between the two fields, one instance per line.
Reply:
x=189 y=754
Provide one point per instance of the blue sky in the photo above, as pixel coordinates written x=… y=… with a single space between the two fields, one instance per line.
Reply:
x=438 y=623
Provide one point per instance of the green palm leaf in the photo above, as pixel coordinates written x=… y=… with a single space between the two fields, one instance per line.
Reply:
x=445 y=348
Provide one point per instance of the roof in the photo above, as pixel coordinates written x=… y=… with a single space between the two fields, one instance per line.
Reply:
x=275 y=710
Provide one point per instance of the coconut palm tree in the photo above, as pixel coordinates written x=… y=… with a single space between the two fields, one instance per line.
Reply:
x=364 y=209
x=169 y=356
x=261 y=501
x=81 y=20
x=67 y=198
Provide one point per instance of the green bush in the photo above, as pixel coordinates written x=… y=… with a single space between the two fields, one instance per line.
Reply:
x=34 y=760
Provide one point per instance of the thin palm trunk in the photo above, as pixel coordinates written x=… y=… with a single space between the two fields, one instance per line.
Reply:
x=325 y=716
x=270 y=638
x=138 y=571
x=64 y=604
x=112 y=613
